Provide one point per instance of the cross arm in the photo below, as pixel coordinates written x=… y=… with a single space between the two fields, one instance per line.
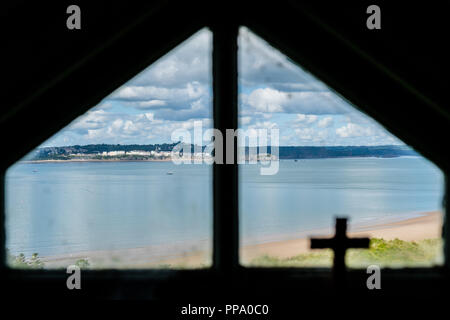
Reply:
x=358 y=243
x=317 y=243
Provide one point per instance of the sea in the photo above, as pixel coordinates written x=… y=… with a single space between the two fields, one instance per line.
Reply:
x=57 y=208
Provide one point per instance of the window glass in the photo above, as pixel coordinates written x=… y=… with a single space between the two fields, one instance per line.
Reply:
x=104 y=193
x=332 y=161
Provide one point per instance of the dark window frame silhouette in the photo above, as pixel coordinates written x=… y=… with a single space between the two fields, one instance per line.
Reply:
x=225 y=64
x=225 y=203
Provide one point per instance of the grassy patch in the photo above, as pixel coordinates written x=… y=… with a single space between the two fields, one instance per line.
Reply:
x=22 y=262
x=385 y=253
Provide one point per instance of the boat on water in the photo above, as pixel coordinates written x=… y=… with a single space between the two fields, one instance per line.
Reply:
x=169 y=173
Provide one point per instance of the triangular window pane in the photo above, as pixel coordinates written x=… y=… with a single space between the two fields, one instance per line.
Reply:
x=333 y=161
x=103 y=193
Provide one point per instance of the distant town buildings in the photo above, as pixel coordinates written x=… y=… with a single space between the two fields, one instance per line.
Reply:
x=139 y=153
x=164 y=155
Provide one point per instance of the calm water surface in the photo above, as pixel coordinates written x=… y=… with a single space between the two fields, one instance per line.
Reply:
x=55 y=208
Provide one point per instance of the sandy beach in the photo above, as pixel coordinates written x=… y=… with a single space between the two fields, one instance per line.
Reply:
x=427 y=225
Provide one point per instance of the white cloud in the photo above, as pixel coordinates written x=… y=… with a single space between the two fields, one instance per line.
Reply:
x=190 y=61
x=264 y=125
x=325 y=122
x=305 y=133
x=267 y=100
x=322 y=135
x=94 y=119
x=272 y=100
x=138 y=128
x=245 y=120
x=262 y=64
x=152 y=103
x=192 y=90
x=305 y=118
x=176 y=90
x=190 y=102
x=176 y=87
x=353 y=130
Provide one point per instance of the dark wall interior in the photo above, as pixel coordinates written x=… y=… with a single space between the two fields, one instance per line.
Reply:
x=398 y=75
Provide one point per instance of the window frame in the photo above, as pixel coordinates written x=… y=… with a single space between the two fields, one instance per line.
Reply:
x=225 y=211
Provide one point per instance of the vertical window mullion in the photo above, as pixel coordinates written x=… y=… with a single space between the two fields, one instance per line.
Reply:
x=446 y=223
x=3 y=257
x=225 y=176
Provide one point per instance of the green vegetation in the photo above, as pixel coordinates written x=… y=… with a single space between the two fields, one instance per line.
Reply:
x=386 y=253
x=34 y=262
x=21 y=262
x=95 y=151
x=82 y=263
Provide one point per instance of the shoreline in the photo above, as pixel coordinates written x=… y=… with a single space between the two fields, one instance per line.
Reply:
x=168 y=160
x=426 y=225
x=89 y=160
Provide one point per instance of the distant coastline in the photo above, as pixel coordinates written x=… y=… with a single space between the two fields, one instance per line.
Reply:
x=94 y=160
x=169 y=160
x=162 y=152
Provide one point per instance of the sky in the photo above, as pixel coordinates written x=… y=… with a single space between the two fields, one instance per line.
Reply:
x=176 y=91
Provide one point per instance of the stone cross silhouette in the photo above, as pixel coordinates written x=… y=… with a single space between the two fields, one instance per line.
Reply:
x=339 y=244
